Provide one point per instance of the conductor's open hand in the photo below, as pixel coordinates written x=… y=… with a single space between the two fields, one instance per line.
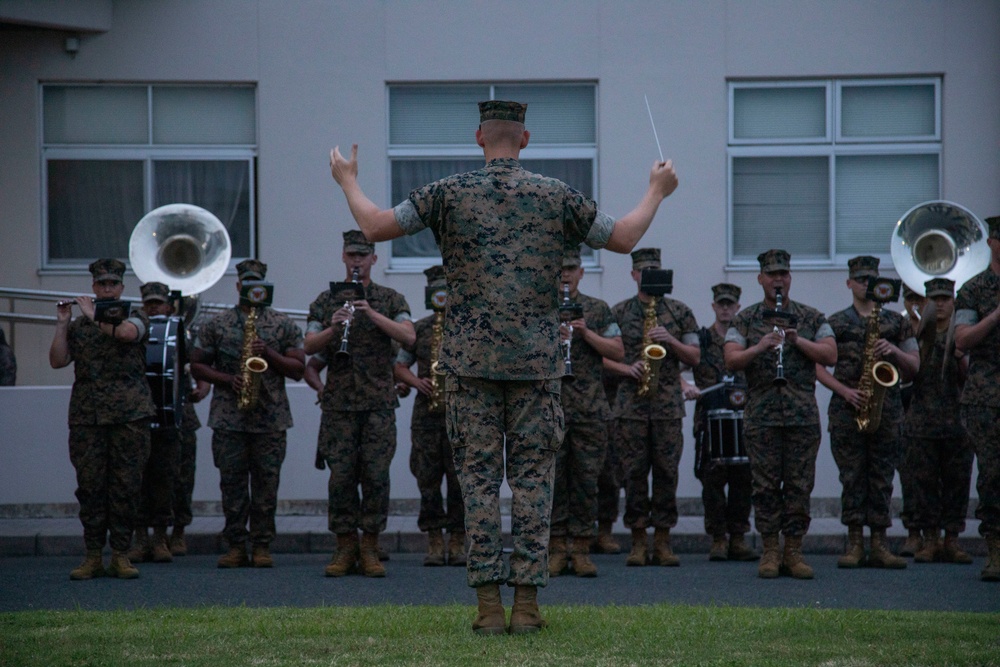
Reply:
x=342 y=169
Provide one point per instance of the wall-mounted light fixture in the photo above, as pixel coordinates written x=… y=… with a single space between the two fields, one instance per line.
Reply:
x=72 y=45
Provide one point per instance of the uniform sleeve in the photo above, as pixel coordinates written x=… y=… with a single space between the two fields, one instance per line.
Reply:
x=405 y=358
x=207 y=340
x=407 y=216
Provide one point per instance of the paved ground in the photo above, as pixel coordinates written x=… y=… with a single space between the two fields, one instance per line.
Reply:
x=297 y=580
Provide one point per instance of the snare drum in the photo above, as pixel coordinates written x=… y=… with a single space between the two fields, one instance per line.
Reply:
x=725 y=437
x=164 y=356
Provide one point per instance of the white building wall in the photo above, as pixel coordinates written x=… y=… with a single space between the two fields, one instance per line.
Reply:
x=321 y=70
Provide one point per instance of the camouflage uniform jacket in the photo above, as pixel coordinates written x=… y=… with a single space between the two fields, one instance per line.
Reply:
x=110 y=385
x=421 y=353
x=363 y=380
x=502 y=231
x=583 y=399
x=221 y=339
x=850 y=329
x=667 y=401
x=934 y=409
x=976 y=299
x=795 y=403
x=710 y=371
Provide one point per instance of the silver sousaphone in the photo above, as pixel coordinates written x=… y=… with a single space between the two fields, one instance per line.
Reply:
x=939 y=239
x=188 y=249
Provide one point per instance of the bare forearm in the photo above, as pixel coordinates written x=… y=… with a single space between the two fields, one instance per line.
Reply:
x=630 y=228
x=609 y=348
x=59 y=350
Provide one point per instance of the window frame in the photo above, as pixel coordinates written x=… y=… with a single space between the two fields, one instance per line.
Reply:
x=147 y=153
x=470 y=151
x=834 y=145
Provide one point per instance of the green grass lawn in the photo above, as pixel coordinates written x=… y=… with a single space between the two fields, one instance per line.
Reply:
x=577 y=635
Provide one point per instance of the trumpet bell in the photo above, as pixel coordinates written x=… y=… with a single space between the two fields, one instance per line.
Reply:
x=181 y=245
x=939 y=239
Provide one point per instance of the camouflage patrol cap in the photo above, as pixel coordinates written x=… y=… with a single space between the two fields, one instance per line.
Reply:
x=155 y=292
x=726 y=292
x=645 y=258
x=774 y=260
x=571 y=258
x=107 y=269
x=909 y=294
x=940 y=287
x=355 y=241
x=863 y=266
x=251 y=269
x=435 y=276
x=994 y=224
x=502 y=110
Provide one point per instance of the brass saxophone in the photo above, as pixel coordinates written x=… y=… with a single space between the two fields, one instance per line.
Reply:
x=435 y=402
x=652 y=353
x=250 y=366
x=876 y=377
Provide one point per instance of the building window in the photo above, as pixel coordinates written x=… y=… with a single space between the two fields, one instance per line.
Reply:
x=432 y=135
x=824 y=169
x=112 y=153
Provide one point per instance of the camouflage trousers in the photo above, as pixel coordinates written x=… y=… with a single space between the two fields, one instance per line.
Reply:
x=358 y=447
x=723 y=514
x=109 y=461
x=431 y=461
x=609 y=481
x=651 y=445
x=157 y=496
x=783 y=471
x=249 y=470
x=982 y=425
x=482 y=415
x=907 y=486
x=578 y=465
x=867 y=464
x=941 y=469
x=187 y=459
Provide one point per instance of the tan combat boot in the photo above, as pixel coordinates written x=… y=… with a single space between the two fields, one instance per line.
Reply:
x=456 y=548
x=160 y=549
x=914 y=543
x=141 y=549
x=558 y=555
x=738 y=549
x=855 y=554
x=931 y=551
x=582 y=565
x=992 y=570
x=951 y=552
x=92 y=566
x=792 y=562
x=235 y=557
x=178 y=547
x=491 y=619
x=369 y=560
x=605 y=543
x=344 y=557
x=524 y=615
x=640 y=548
x=880 y=555
x=261 y=556
x=770 y=562
x=720 y=548
x=662 y=553
x=435 y=549
x=121 y=567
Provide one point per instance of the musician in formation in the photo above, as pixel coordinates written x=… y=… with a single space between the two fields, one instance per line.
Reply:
x=778 y=349
x=246 y=353
x=187 y=459
x=659 y=334
x=977 y=314
x=938 y=454
x=725 y=514
x=353 y=340
x=588 y=334
x=109 y=411
x=865 y=415
x=610 y=479
x=502 y=232
x=431 y=459
x=913 y=304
